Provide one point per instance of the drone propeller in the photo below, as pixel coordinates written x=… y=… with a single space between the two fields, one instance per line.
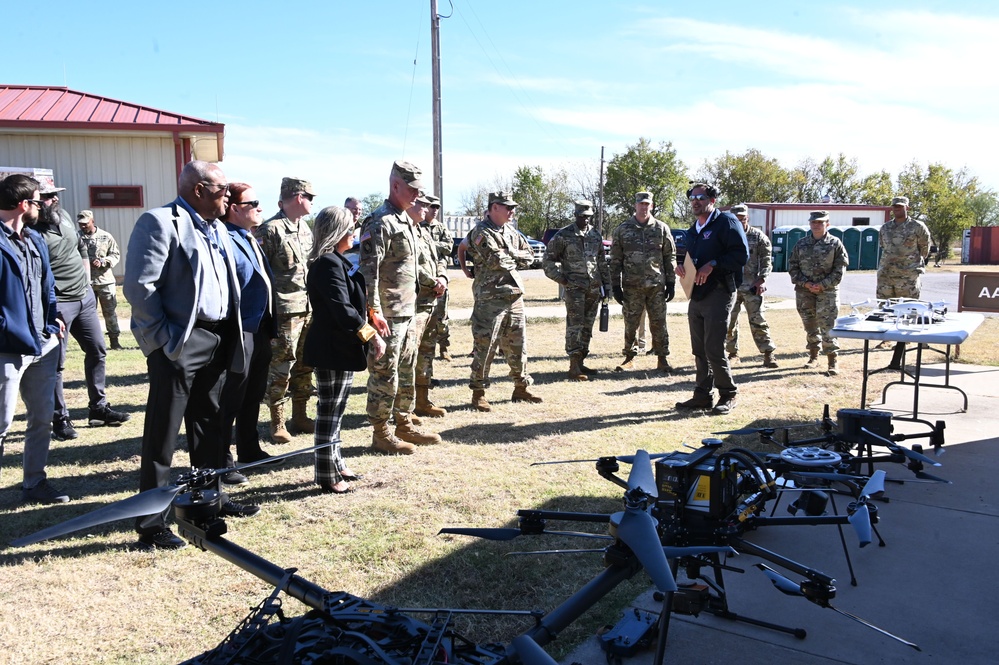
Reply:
x=860 y=519
x=511 y=533
x=627 y=459
x=895 y=448
x=786 y=586
x=757 y=430
x=150 y=502
x=637 y=530
x=641 y=476
x=530 y=653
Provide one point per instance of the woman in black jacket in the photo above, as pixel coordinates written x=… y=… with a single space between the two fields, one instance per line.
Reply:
x=338 y=338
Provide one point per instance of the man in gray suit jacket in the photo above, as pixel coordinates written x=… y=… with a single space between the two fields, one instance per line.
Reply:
x=180 y=282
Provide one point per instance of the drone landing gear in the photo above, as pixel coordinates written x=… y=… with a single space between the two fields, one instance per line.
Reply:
x=711 y=598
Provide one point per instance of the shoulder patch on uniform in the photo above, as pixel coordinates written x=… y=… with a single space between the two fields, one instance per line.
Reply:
x=366 y=236
x=366 y=246
x=478 y=240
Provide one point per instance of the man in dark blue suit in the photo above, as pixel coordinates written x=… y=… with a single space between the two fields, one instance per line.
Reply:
x=243 y=391
x=180 y=282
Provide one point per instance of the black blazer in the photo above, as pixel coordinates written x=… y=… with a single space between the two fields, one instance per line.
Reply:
x=339 y=310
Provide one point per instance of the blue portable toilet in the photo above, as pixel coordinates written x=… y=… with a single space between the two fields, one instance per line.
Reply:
x=870 y=248
x=851 y=240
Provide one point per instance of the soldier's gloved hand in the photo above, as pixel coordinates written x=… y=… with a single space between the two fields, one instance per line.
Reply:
x=670 y=292
x=618 y=294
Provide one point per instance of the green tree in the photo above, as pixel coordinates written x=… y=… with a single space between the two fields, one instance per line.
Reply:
x=751 y=176
x=643 y=167
x=370 y=202
x=840 y=179
x=805 y=182
x=544 y=200
x=984 y=208
x=876 y=189
x=941 y=198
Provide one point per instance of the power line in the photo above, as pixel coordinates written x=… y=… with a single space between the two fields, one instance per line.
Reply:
x=412 y=84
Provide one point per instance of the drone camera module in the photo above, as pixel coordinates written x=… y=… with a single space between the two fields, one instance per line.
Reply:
x=691 y=599
x=813 y=503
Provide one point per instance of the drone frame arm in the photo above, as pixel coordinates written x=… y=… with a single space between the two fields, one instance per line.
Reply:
x=747 y=547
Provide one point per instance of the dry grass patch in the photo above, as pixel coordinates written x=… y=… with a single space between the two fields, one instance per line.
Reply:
x=88 y=598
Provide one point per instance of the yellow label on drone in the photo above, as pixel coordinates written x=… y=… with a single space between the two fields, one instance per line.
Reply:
x=700 y=496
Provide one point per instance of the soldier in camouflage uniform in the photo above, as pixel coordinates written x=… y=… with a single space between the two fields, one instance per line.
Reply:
x=750 y=292
x=498 y=251
x=905 y=246
x=390 y=263
x=103 y=254
x=432 y=279
x=816 y=267
x=286 y=241
x=642 y=264
x=575 y=259
x=439 y=326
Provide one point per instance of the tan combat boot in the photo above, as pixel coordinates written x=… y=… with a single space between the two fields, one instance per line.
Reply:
x=424 y=407
x=445 y=354
x=301 y=423
x=479 y=401
x=522 y=394
x=833 y=368
x=768 y=359
x=813 y=358
x=382 y=439
x=733 y=358
x=627 y=364
x=664 y=366
x=576 y=368
x=279 y=434
x=582 y=365
x=407 y=431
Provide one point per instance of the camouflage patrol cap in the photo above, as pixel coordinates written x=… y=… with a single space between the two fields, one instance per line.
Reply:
x=48 y=188
x=818 y=216
x=583 y=208
x=84 y=216
x=423 y=199
x=739 y=209
x=435 y=202
x=409 y=173
x=292 y=186
x=900 y=201
x=643 y=197
x=505 y=198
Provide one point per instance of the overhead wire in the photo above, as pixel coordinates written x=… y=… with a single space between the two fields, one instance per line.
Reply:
x=412 y=83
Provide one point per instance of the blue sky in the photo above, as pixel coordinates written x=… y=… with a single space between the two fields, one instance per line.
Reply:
x=329 y=91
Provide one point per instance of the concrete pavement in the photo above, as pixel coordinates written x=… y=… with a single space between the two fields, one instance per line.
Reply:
x=933 y=584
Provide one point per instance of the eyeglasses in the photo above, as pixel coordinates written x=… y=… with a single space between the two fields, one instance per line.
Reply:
x=698 y=197
x=37 y=202
x=252 y=204
x=222 y=188
x=306 y=195
x=510 y=208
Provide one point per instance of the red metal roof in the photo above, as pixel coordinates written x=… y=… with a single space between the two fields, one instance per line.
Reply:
x=47 y=107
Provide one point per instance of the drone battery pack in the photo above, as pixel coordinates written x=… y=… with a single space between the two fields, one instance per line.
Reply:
x=852 y=420
x=632 y=633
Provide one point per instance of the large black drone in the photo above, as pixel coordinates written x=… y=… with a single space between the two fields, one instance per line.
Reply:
x=695 y=507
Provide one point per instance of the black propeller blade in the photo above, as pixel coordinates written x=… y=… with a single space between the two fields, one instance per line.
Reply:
x=530 y=653
x=147 y=503
x=511 y=533
x=895 y=448
x=627 y=459
x=641 y=476
x=638 y=531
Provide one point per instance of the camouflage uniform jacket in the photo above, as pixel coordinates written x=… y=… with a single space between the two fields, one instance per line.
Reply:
x=643 y=255
x=498 y=252
x=287 y=246
x=577 y=256
x=429 y=267
x=904 y=245
x=442 y=239
x=388 y=261
x=821 y=261
x=101 y=246
x=760 y=260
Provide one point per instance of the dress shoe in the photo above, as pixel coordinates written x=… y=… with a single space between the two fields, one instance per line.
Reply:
x=235 y=478
x=164 y=539
x=232 y=509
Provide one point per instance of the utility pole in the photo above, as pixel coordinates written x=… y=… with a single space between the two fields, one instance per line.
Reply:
x=600 y=196
x=435 y=62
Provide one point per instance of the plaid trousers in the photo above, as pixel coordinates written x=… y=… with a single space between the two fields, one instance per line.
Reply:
x=333 y=387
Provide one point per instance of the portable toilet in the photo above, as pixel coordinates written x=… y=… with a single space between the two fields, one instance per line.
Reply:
x=836 y=231
x=851 y=240
x=778 y=239
x=870 y=247
x=794 y=234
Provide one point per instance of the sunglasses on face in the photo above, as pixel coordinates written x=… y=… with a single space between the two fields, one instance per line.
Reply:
x=252 y=204
x=699 y=197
